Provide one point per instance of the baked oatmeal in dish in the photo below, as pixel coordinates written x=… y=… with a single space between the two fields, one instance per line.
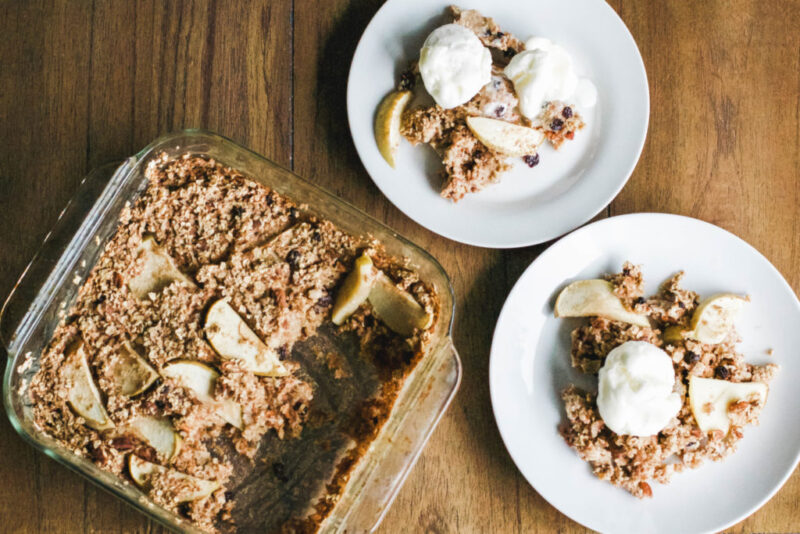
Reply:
x=672 y=389
x=495 y=97
x=230 y=353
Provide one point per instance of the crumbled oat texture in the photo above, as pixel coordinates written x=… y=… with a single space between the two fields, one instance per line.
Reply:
x=469 y=166
x=279 y=267
x=487 y=30
x=632 y=462
x=672 y=305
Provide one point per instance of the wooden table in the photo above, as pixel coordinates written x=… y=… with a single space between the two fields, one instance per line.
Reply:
x=83 y=83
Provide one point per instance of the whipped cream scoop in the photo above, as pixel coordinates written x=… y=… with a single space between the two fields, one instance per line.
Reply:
x=635 y=394
x=454 y=65
x=544 y=72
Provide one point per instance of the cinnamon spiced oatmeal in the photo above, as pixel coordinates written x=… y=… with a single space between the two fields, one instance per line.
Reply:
x=200 y=362
x=473 y=68
x=715 y=392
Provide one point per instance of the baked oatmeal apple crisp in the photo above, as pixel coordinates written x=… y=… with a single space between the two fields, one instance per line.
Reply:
x=473 y=69
x=200 y=361
x=708 y=392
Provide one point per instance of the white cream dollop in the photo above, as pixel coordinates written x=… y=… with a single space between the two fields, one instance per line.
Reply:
x=635 y=394
x=544 y=72
x=454 y=65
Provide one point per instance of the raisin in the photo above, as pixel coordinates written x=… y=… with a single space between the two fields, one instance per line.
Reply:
x=531 y=160
x=280 y=472
x=293 y=257
x=237 y=211
x=283 y=352
x=160 y=405
x=566 y=112
x=681 y=305
x=499 y=35
x=509 y=52
x=556 y=125
x=722 y=372
x=499 y=111
x=407 y=81
x=691 y=357
x=183 y=509
x=101 y=299
x=98 y=454
x=477 y=154
x=270 y=200
x=639 y=300
x=325 y=301
x=316 y=237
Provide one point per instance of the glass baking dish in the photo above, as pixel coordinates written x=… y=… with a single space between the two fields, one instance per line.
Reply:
x=50 y=283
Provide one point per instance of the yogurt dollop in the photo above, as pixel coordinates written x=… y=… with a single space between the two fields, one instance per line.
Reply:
x=544 y=72
x=635 y=394
x=454 y=65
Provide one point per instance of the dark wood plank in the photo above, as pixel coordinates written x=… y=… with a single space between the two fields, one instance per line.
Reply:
x=41 y=114
x=84 y=84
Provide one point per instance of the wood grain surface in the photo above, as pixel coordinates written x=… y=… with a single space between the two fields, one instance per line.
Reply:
x=83 y=83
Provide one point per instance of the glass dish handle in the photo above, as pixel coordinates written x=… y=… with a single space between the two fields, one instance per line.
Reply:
x=35 y=275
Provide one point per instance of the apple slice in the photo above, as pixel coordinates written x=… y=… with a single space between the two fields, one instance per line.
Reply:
x=504 y=137
x=712 y=321
x=387 y=124
x=200 y=379
x=84 y=397
x=130 y=372
x=710 y=398
x=396 y=308
x=158 y=271
x=230 y=336
x=188 y=488
x=588 y=298
x=354 y=290
x=159 y=433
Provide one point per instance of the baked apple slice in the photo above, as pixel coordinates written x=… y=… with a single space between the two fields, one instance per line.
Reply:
x=397 y=308
x=186 y=488
x=230 y=336
x=712 y=321
x=159 y=433
x=595 y=298
x=355 y=289
x=130 y=372
x=710 y=399
x=201 y=379
x=504 y=137
x=387 y=124
x=83 y=396
x=158 y=271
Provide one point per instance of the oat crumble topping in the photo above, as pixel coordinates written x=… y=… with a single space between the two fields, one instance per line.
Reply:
x=279 y=268
x=632 y=462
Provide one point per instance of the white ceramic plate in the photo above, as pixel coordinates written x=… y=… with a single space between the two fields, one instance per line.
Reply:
x=528 y=206
x=530 y=366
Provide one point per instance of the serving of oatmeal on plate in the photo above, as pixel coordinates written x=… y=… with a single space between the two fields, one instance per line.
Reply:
x=232 y=354
x=495 y=97
x=673 y=391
